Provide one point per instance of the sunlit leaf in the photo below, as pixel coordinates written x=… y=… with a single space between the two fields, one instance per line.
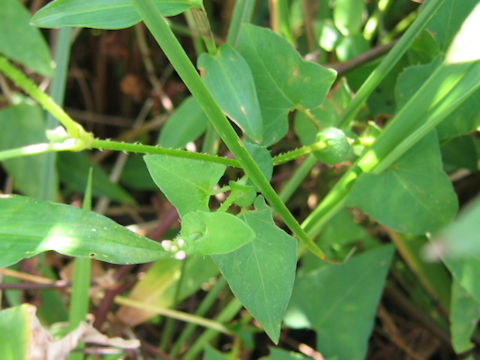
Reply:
x=211 y=233
x=102 y=14
x=29 y=227
x=465 y=119
x=348 y=15
x=448 y=20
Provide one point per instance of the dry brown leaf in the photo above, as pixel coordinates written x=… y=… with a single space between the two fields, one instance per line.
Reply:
x=42 y=345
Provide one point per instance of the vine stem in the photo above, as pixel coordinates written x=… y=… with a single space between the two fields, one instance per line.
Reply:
x=151 y=149
x=185 y=69
x=73 y=128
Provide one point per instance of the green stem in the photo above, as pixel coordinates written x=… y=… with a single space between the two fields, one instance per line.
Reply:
x=193 y=32
x=281 y=18
x=297 y=153
x=79 y=299
x=57 y=91
x=227 y=314
x=205 y=305
x=389 y=62
x=242 y=13
x=42 y=148
x=74 y=129
x=150 y=149
x=440 y=95
x=180 y=61
x=465 y=88
x=215 y=326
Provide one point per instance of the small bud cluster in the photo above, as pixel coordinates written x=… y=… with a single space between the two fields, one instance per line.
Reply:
x=175 y=247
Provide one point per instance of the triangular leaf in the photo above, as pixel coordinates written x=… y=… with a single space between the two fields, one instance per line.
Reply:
x=283 y=79
x=186 y=183
x=413 y=196
x=339 y=302
x=261 y=273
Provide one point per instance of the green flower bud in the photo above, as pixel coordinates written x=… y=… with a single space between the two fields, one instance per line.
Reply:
x=337 y=147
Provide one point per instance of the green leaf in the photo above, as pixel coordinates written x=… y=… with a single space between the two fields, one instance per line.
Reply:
x=29 y=227
x=424 y=49
x=135 y=174
x=72 y=168
x=434 y=277
x=351 y=46
x=211 y=233
x=211 y=354
x=229 y=79
x=262 y=157
x=448 y=20
x=22 y=42
x=461 y=238
x=460 y=153
x=15 y=332
x=25 y=121
x=467 y=272
x=186 y=124
x=282 y=78
x=461 y=49
x=413 y=196
x=339 y=302
x=243 y=195
x=326 y=114
x=465 y=119
x=348 y=15
x=261 y=273
x=337 y=238
x=159 y=285
x=186 y=183
x=279 y=354
x=102 y=14
x=464 y=315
